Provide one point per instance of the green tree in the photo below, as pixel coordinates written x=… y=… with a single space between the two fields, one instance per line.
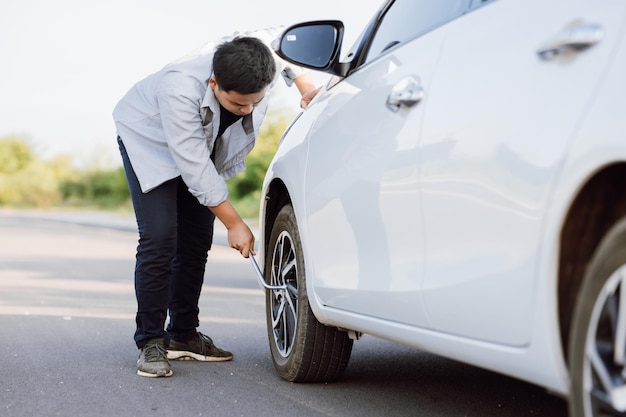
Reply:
x=15 y=155
x=24 y=179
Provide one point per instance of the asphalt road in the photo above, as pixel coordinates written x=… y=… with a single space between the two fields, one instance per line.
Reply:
x=66 y=347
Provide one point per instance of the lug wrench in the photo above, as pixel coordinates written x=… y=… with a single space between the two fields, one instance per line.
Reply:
x=261 y=278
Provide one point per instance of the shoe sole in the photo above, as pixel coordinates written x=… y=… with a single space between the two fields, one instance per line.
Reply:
x=181 y=355
x=157 y=375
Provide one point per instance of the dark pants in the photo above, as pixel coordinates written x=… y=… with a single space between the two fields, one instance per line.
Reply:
x=175 y=235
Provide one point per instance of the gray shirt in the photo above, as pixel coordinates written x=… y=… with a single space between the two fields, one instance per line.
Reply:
x=169 y=121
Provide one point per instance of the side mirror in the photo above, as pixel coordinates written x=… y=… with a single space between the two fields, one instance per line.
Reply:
x=314 y=45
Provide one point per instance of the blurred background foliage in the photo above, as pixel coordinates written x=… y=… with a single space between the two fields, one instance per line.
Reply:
x=28 y=181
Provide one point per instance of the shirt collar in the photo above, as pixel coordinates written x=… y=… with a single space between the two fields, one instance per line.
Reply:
x=213 y=108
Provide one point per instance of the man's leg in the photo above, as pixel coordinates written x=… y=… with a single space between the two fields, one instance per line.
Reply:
x=195 y=237
x=156 y=214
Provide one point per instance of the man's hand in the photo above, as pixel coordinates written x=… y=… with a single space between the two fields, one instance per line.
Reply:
x=240 y=236
x=307 y=89
x=307 y=96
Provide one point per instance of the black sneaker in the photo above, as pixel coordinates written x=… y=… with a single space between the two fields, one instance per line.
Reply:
x=152 y=362
x=200 y=348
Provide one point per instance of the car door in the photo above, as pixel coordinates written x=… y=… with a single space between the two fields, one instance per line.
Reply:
x=502 y=108
x=364 y=221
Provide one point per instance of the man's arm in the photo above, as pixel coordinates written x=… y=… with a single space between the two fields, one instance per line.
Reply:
x=307 y=88
x=240 y=236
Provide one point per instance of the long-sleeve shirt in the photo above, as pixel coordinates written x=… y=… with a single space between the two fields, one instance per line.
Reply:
x=169 y=122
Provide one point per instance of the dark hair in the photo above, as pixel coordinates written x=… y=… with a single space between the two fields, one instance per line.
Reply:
x=244 y=65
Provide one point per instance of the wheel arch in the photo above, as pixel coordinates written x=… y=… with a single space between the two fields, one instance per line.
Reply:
x=598 y=205
x=276 y=197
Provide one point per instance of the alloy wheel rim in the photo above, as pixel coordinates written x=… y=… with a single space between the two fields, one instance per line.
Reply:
x=284 y=302
x=604 y=366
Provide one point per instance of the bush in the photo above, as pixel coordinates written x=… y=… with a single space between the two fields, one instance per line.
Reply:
x=34 y=185
x=27 y=181
x=24 y=180
x=102 y=188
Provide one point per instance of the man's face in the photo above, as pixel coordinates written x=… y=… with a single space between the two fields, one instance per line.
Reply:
x=234 y=102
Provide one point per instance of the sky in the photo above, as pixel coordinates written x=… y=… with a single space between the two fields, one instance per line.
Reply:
x=64 y=64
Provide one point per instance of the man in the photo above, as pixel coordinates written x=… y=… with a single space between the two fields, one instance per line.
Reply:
x=182 y=131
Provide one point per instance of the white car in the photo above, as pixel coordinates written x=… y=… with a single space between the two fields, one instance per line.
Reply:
x=458 y=186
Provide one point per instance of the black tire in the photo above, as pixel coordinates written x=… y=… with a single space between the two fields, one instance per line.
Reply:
x=598 y=334
x=303 y=349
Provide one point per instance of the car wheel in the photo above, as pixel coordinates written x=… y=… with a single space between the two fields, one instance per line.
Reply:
x=303 y=349
x=598 y=337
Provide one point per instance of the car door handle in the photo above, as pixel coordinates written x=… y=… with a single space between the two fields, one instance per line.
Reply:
x=407 y=92
x=574 y=38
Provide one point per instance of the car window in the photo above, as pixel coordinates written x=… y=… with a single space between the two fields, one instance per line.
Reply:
x=408 y=19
